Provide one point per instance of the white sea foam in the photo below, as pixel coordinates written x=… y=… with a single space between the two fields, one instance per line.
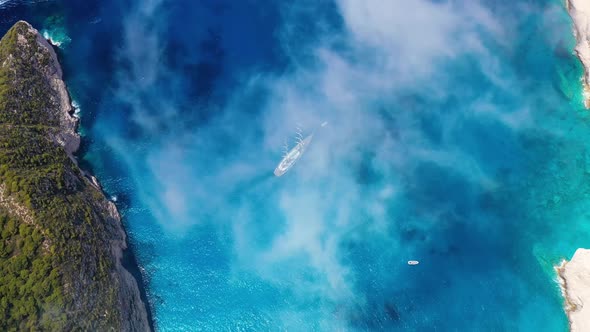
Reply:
x=7 y=3
x=56 y=37
x=76 y=107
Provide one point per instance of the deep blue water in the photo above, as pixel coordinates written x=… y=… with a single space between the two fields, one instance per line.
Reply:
x=456 y=137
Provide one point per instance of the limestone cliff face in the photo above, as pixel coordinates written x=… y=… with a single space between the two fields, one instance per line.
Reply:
x=580 y=12
x=574 y=279
x=67 y=136
x=61 y=268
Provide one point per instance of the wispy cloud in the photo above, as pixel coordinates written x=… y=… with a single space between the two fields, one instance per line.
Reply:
x=374 y=74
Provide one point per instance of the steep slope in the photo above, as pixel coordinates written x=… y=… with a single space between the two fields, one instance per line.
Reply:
x=61 y=241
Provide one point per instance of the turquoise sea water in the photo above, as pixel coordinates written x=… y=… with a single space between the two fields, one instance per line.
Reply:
x=456 y=137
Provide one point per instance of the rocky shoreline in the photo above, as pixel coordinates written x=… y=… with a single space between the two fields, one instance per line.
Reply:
x=135 y=314
x=574 y=281
x=579 y=11
x=133 y=310
x=574 y=275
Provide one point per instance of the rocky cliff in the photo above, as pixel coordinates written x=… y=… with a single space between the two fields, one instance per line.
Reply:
x=580 y=12
x=62 y=241
x=574 y=280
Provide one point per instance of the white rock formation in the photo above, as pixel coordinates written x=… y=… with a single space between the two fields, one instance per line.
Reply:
x=574 y=279
x=580 y=12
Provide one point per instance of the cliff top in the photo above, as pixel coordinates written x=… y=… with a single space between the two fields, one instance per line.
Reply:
x=60 y=240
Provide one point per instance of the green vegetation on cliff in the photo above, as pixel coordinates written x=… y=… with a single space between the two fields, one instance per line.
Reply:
x=29 y=283
x=24 y=93
x=56 y=230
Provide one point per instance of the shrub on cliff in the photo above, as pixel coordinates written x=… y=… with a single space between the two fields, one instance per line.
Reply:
x=55 y=259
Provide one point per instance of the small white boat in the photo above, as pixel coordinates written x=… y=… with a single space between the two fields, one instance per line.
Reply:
x=413 y=262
